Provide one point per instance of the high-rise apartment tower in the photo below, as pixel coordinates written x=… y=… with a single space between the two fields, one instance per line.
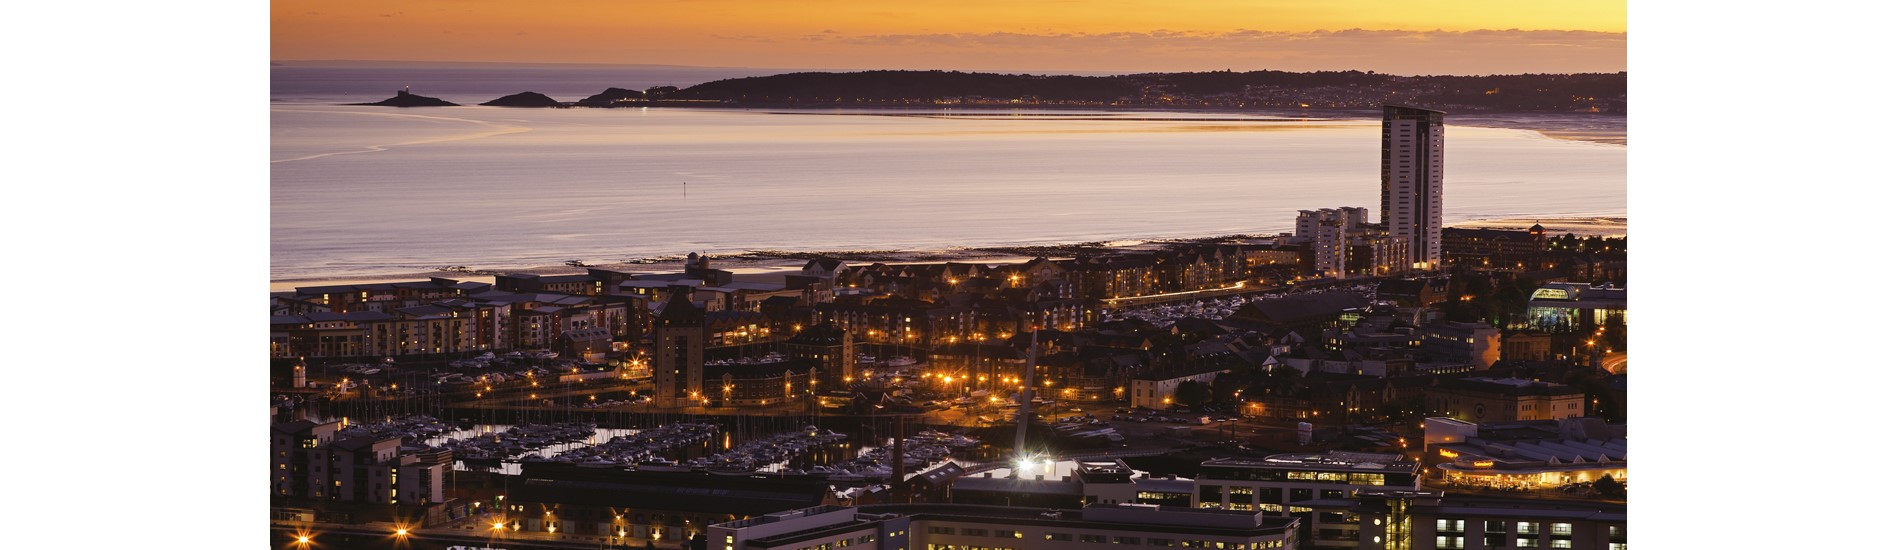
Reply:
x=1412 y=199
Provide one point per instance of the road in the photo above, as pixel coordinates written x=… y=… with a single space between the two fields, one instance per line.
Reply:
x=1616 y=362
x=376 y=536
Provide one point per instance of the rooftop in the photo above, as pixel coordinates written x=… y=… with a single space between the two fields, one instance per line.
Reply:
x=1334 y=461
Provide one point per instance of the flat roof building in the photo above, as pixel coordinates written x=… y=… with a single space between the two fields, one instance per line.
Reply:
x=965 y=526
x=1431 y=519
x=1297 y=484
x=1526 y=456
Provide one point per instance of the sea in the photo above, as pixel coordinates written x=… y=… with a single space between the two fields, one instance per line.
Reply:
x=362 y=191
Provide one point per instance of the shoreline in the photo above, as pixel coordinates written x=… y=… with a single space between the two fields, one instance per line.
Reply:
x=1558 y=125
x=765 y=264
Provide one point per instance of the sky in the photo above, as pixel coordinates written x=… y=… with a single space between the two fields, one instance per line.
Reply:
x=1399 y=37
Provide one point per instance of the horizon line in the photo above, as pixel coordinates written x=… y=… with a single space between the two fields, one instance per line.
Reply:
x=789 y=70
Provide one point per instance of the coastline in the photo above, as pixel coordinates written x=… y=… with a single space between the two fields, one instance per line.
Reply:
x=1605 y=128
x=768 y=264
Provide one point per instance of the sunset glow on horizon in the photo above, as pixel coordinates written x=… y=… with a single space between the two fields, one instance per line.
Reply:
x=1472 y=37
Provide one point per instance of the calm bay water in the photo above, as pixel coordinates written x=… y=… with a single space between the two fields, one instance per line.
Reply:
x=364 y=191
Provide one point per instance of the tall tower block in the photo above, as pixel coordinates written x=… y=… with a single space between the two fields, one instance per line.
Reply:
x=1412 y=198
x=679 y=352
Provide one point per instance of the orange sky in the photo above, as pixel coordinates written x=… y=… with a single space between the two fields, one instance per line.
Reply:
x=1406 y=37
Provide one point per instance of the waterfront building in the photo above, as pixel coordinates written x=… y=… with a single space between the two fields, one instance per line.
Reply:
x=1411 y=204
x=381 y=296
x=679 y=353
x=594 y=282
x=1493 y=247
x=968 y=527
x=1155 y=390
x=1344 y=244
x=469 y=322
x=290 y=445
x=308 y=461
x=830 y=348
x=761 y=384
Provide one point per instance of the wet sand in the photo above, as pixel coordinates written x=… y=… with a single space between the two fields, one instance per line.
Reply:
x=770 y=266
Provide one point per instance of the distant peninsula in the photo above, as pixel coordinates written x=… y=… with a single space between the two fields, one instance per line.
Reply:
x=405 y=99
x=525 y=99
x=1225 y=90
x=1586 y=93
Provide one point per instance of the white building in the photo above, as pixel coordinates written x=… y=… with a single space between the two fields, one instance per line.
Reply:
x=1412 y=199
x=1344 y=244
x=1327 y=229
x=1155 y=391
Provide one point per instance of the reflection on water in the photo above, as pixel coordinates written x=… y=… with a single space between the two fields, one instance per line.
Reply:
x=500 y=188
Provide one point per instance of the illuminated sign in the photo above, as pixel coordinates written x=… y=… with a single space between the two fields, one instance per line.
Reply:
x=1448 y=453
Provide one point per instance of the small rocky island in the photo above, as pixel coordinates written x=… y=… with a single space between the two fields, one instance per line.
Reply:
x=525 y=99
x=405 y=99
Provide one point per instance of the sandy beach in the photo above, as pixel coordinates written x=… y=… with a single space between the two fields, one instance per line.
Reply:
x=1556 y=227
x=770 y=265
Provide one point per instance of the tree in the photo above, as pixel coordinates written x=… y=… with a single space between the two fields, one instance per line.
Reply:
x=1607 y=487
x=1192 y=393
